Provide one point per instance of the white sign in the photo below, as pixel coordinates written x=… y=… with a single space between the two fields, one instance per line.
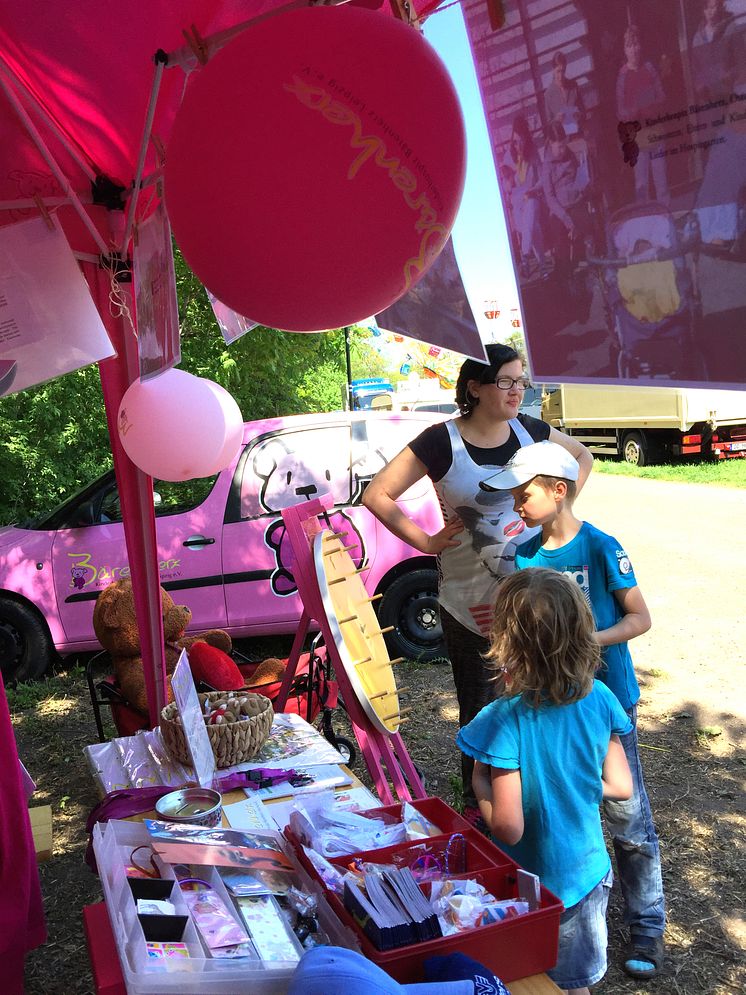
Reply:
x=193 y=723
x=157 y=307
x=49 y=324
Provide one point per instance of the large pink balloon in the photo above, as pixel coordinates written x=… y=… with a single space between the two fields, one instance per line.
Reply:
x=178 y=426
x=316 y=167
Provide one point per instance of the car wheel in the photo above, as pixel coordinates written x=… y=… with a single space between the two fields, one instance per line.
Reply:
x=410 y=603
x=635 y=449
x=26 y=650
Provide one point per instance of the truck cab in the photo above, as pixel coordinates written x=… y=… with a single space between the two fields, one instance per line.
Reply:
x=371 y=393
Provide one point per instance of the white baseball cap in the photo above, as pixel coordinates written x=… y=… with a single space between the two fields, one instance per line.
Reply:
x=546 y=458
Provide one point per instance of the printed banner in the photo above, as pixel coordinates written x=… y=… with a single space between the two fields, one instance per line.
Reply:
x=49 y=324
x=619 y=138
x=157 y=308
x=436 y=310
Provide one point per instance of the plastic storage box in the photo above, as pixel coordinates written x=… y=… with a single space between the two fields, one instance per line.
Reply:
x=113 y=843
x=514 y=948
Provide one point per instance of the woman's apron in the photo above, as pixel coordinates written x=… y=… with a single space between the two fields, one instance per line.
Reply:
x=470 y=572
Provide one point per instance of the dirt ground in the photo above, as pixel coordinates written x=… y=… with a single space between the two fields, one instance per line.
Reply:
x=692 y=722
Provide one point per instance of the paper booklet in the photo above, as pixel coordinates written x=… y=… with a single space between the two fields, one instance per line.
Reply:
x=391 y=909
x=317 y=777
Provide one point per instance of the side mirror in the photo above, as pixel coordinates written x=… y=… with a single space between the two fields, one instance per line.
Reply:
x=157 y=499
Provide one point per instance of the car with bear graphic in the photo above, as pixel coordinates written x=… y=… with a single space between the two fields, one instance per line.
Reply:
x=222 y=544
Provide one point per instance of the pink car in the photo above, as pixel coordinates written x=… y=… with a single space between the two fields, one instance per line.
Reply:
x=222 y=544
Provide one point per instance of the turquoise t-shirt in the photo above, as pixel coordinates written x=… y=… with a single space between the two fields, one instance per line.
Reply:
x=601 y=566
x=559 y=750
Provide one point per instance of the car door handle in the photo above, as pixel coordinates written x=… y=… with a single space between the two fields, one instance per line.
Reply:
x=196 y=541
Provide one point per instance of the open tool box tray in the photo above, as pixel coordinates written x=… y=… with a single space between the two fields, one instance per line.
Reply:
x=514 y=948
x=200 y=974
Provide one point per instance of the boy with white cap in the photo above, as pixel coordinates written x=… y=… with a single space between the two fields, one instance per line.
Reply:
x=542 y=479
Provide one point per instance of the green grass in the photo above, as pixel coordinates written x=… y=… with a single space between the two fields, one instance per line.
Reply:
x=457 y=792
x=726 y=473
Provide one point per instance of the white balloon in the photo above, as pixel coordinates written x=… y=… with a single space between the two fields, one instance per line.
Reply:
x=178 y=426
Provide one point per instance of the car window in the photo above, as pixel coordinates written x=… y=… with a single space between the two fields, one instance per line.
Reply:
x=532 y=395
x=170 y=497
x=386 y=438
x=288 y=467
x=440 y=407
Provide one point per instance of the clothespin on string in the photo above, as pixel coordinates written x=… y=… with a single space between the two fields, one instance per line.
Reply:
x=197 y=44
x=403 y=10
x=496 y=13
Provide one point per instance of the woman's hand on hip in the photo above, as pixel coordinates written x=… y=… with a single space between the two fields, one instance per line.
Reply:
x=445 y=538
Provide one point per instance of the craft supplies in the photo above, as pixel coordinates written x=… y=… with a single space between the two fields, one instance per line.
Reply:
x=243 y=883
x=352 y=799
x=466 y=904
x=155 y=907
x=211 y=916
x=417 y=825
x=304 y=907
x=293 y=742
x=336 y=832
x=390 y=908
x=193 y=806
x=270 y=934
x=162 y=951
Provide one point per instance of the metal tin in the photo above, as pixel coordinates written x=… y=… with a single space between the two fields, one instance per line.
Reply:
x=193 y=806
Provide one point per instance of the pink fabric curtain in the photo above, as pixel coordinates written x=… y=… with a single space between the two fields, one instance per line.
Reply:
x=22 y=924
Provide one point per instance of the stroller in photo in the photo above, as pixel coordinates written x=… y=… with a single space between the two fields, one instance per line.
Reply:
x=651 y=293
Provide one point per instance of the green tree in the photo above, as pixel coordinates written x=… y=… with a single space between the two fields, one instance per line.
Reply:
x=53 y=438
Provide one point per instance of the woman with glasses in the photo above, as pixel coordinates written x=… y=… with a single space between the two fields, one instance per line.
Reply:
x=476 y=546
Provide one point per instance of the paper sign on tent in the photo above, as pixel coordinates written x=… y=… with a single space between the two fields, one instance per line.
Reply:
x=49 y=324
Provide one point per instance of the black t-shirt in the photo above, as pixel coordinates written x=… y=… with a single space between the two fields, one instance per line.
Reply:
x=433 y=447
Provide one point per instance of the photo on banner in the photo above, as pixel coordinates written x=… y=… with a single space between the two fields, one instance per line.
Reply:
x=157 y=307
x=619 y=139
x=49 y=324
x=436 y=310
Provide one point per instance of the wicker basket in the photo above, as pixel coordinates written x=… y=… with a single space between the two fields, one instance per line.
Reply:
x=232 y=742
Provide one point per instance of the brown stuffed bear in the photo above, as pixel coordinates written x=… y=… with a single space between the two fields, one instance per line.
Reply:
x=115 y=624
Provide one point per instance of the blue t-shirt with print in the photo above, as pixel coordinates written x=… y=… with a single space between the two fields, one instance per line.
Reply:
x=559 y=750
x=601 y=566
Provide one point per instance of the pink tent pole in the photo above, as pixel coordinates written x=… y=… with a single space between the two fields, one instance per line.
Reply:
x=136 y=496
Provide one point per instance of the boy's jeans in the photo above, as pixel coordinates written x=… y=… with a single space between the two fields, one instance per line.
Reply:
x=631 y=828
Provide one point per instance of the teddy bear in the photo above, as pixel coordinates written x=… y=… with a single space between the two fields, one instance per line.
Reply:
x=628 y=131
x=116 y=628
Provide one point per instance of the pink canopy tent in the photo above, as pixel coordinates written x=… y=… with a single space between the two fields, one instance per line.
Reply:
x=87 y=104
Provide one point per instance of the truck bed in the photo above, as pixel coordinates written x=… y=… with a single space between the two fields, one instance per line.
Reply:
x=598 y=406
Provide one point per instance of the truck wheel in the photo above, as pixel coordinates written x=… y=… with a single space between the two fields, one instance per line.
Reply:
x=635 y=449
x=411 y=604
x=26 y=650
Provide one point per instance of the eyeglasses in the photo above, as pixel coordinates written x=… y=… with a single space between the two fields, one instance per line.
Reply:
x=507 y=383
